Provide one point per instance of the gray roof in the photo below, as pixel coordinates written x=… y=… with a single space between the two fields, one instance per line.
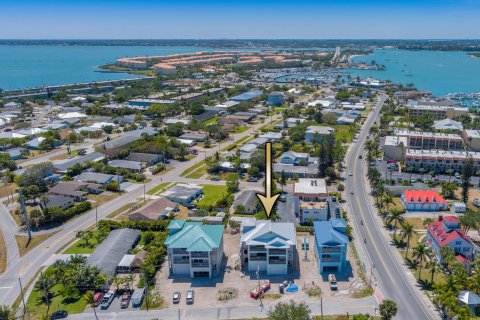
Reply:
x=120 y=142
x=133 y=165
x=94 y=156
x=96 y=177
x=143 y=157
x=110 y=252
x=56 y=200
x=270 y=234
x=247 y=198
x=278 y=168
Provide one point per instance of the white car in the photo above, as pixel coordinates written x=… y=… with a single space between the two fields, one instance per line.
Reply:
x=457 y=175
x=350 y=173
x=107 y=300
x=476 y=203
x=190 y=296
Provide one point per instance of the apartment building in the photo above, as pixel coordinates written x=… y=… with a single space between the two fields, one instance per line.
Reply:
x=472 y=139
x=194 y=249
x=438 y=112
x=311 y=189
x=267 y=246
x=331 y=244
x=431 y=140
x=439 y=160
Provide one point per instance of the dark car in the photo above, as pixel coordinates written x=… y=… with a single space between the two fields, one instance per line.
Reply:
x=215 y=179
x=125 y=300
x=282 y=198
x=60 y=314
x=360 y=157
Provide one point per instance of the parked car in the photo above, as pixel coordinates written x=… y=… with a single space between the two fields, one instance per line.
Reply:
x=215 y=179
x=176 y=297
x=476 y=203
x=97 y=298
x=60 y=314
x=125 y=300
x=350 y=173
x=190 y=296
x=457 y=175
x=360 y=157
x=137 y=297
x=107 y=300
x=332 y=281
x=282 y=198
x=413 y=180
x=252 y=179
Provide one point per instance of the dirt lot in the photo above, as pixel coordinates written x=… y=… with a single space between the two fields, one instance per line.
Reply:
x=206 y=290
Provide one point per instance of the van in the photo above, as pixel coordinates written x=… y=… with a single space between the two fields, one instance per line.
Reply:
x=137 y=297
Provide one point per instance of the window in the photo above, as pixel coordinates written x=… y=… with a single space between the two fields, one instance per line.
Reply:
x=458 y=242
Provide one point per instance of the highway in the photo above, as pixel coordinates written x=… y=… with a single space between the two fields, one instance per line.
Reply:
x=26 y=267
x=387 y=264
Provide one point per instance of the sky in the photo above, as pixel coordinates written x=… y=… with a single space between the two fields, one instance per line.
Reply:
x=244 y=19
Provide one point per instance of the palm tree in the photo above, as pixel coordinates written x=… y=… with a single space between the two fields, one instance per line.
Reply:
x=474 y=284
x=396 y=216
x=407 y=232
x=90 y=299
x=388 y=309
x=387 y=200
x=7 y=313
x=434 y=267
x=420 y=252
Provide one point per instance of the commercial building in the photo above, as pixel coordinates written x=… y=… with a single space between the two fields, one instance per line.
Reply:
x=318 y=133
x=194 y=249
x=311 y=189
x=447 y=124
x=438 y=112
x=394 y=147
x=247 y=96
x=267 y=246
x=276 y=99
x=431 y=140
x=447 y=232
x=331 y=244
x=439 y=160
x=423 y=200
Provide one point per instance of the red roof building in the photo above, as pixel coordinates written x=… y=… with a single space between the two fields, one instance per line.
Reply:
x=423 y=200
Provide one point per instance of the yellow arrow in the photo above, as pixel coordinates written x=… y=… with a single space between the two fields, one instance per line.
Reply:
x=268 y=201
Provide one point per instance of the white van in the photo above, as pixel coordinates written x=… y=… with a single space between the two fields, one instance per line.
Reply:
x=137 y=297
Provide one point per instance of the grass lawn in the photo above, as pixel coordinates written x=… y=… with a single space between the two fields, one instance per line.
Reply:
x=210 y=121
x=119 y=210
x=37 y=308
x=158 y=188
x=24 y=246
x=197 y=174
x=416 y=222
x=3 y=254
x=99 y=199
x=192 y=168
x=79 y=247
x=8 y=190
x=212 y=194
x=397 y=204
x=343 y=132
x=241 y=129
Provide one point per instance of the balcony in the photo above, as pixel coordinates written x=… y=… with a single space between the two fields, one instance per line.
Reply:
x=257 y=248
x=277 y=261
x=258 y=258
x=179 y=251
x=277 y=251
x=331 y=250
x=330 y=260
x=199 y=254
x=200 y=264
x=181 y=261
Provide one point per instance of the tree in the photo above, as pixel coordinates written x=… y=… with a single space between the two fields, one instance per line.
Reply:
x=407 y=232
x=434 y=267
x=420 y=252
x=232 y=182
x=289 y=311
x=7 y=313
x=468 y=172
x=396 y=216
x=283 y=179
x=90 y=299
x=388 y=309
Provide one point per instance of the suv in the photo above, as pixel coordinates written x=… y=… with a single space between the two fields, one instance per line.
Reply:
x=176 y=297
x=190 y=296
x=107 y=300
x=59 y=314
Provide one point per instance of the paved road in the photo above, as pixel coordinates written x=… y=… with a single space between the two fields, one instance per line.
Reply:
x=393 y=280
x=8 y=227
x=26 y=267
x=352 y=306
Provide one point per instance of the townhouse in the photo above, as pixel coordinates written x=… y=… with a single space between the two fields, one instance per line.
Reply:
x=331 y=244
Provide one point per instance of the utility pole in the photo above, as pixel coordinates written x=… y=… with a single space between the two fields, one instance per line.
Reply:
x=259 y=291
x=321 y=306
x=23 y=298
x=146 y=289
x=144 y=191
x=96 y=215
x=25 y=217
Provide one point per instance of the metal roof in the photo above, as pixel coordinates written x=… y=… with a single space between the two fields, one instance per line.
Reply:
x=196 y=237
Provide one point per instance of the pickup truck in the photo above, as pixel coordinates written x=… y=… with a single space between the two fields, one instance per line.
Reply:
x=264 y=287
x=332 y=281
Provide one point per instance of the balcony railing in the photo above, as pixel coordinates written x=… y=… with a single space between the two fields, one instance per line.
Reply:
x=277 y=262
x=330 y=259
x=181 y=261
x=277 y=251
x=257 y=248
x=200 y=264
x=199 y=254
x=179 y=251
x=258 y=258
x=331 y=250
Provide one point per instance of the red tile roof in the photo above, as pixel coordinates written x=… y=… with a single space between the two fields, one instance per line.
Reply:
x=423 y=196
x=462 y=259
x=443 y=237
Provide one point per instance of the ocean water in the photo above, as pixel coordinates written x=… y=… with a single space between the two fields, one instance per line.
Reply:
x=441 y=72
x=33 y=66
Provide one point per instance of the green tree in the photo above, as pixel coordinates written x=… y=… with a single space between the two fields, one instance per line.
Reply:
x=89 y=297
x=388 y=309
x=420 y=252
x=7 y=313
x=406 y=233
x=289 y=311
x=468 y=172
x=396 y=216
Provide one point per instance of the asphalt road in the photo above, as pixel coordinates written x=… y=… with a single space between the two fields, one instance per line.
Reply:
x=26 y=267
x=392 y=278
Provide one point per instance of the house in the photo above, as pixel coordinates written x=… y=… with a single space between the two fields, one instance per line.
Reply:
x=75 y=190
x=125 y=265
x=64 y=166
x=459 y=207
x=187 y=142
x=446 y=231
x=247 y=96
x=293 y=122
x=247 y=200
x=196 y=136
x=295 y=171
x=112 y=148
x=158 y=209
x=62 y=202
x=331 y=244
x=145 y=158
x=183 y=193
x=423 y=200
x=228 y=166
x=294 y=158
x=194 y=249
x=310 y=211
x=99 y=178
x=471 y=300
x=268 y=246
x=108 y=254
x=311 y=189
x=35 y=144
x=16 y=153
x=272 y=136
x=319 y=132
x=134 y=166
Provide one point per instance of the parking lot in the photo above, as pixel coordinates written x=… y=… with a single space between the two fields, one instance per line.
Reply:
x=206 y=290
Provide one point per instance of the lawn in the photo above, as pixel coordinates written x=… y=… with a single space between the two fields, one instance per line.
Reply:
x=24 y=246
x=212 y=194
x=99 y=199
x=79 y=246
x=192 y=168
x=158 y=188
x=343 y=132
x=397 y=204
x=119 y=210
x=8 y=190
x=37 y=308
x=416 y=222
x=3 y=254
x=197 y=174
x=241 y=129
x=210 y=121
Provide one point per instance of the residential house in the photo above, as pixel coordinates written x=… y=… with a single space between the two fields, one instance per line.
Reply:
x=196 y=136
x=134 y=166
x=16 y=153
x=331 y=244
x=272 y=136
x=446 y=231
x=194 y=249
x=75 y=190
x=64 y=166
x=294 y=158
x=247 y=200
x=268 y=246
x=99 y=178
x=158 y=209
x=295 y=171
x=183 y=193
x=318 y=133
x=62 y=202
x=145 y=158
x=423 y=200
x=471 y=300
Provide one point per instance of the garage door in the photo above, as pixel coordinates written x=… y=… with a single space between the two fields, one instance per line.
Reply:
x=201 y=274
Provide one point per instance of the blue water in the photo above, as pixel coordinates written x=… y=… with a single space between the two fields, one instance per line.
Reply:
x=441 y=72
x=33 y=66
